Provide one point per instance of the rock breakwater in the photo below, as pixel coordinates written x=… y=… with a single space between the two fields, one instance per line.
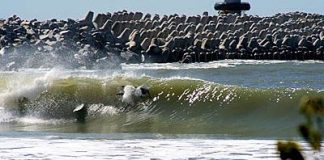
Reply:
x=105 y=40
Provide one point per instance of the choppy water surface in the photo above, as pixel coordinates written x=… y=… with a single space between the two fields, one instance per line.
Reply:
x=135 y=146
x=250 y=104
x=248 y=73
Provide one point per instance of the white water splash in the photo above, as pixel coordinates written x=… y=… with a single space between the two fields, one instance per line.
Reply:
x=53 y=147
x=17 y=88
x=207 y=65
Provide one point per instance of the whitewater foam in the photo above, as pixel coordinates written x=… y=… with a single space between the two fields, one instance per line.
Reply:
x=95 y=147
x=208 y=65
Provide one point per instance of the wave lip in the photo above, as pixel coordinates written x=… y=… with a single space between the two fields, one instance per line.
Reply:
x=206 y=65
x=178 y=106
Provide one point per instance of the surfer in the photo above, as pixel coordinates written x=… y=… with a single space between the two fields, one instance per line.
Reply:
x=131 y=95
x=22 y=105
x=81 y=112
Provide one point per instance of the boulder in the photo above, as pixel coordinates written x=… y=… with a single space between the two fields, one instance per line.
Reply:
x=302 y=42
x=197 y=43
x=243 y=43
x=145 y=44
x=138 y=16
x=100 y=20
x=87 y=20
x=318 y=43
x=66 y=34
x=232 y=45
x=154 y=52
x=225 y=44
x=154 y=48
x=107 y=26
x=147 y=17
x=253 y=44
x=134 y=47
x=199 y=28
x=135 y=36
x=186 y=58
x=169 y=45
x=124 y=36
x=206 y=44
x=117 y=28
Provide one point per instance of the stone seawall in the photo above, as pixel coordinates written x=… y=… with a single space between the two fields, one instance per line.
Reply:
x=108 y=39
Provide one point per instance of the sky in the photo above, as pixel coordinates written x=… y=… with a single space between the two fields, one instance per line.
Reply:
x=63 y=9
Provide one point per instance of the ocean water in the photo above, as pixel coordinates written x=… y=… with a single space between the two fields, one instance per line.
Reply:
x=231 y=109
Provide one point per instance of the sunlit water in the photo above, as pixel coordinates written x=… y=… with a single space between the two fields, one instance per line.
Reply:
x=235 y=110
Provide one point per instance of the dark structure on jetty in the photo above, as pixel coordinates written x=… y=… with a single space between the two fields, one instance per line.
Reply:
x=113 y=38
x=232 y=6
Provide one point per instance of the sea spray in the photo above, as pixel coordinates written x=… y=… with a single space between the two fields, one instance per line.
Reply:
x=20 y=87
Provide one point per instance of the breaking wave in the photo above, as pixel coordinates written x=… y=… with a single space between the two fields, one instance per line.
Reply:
x=178 y=105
